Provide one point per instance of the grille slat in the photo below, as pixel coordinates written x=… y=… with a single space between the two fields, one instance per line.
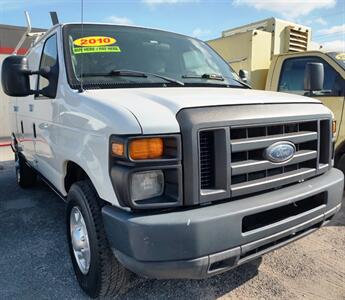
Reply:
x=298 y=40
x=275 y=181
x=249 y=166
x=265 y=141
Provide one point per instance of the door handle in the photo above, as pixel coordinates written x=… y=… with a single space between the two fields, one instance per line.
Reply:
x=31 y=107
x=15 y=108
x=34 y=130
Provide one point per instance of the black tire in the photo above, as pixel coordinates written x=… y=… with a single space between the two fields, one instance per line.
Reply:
x=106 y=276
x=26 y=177
x=340 y=163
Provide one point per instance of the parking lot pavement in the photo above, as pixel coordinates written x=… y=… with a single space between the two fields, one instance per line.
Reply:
x=35 y=264
x=5 y=154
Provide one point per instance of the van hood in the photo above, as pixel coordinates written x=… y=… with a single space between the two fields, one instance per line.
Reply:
x=156 y=108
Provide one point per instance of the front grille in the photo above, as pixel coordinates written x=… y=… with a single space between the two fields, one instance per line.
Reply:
x=250 y=171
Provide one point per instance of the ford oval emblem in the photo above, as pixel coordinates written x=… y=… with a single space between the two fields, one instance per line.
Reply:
x=280 y=152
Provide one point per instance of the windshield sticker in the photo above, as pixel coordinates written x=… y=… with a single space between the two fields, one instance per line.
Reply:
x=95 y=44
x=104 y=49
x=340 y=56
x=94 y=41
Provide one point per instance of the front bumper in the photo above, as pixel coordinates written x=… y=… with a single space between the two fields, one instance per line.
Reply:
x=204 y=241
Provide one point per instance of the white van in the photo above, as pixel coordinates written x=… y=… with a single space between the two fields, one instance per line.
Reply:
x=171 y=167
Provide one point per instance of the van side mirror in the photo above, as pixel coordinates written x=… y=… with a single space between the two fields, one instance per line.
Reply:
x=15 y=76
x=244 y=75
x=313 y=77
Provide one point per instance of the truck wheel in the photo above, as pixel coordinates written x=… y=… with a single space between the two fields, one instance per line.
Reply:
x=26 y=177
x=340 y=163
x=96 y=268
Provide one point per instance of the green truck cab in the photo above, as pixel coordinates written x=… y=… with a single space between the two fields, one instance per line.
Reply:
x=272 y=55
x=286 y=74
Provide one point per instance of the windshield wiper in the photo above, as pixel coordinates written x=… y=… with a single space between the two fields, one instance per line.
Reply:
x=131 y=73
x=218 y=77
x=206 y=76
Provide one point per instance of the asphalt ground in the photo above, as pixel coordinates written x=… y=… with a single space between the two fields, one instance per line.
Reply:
x=35 y=263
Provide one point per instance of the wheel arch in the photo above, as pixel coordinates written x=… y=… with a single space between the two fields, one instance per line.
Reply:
x=74 y=169
x=73 y=173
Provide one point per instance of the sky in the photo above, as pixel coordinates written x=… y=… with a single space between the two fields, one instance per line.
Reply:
x=204 y=19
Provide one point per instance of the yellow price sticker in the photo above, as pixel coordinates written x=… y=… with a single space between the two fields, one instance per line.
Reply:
x=94 y=41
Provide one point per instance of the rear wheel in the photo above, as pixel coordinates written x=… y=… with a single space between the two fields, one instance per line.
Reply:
x=26 y=177
x=96 y=268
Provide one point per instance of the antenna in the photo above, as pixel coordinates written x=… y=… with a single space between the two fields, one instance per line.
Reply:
x=54 y=17
x=81 y=89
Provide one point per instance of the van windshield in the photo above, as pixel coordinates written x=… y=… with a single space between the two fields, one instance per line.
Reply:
x=110 y=56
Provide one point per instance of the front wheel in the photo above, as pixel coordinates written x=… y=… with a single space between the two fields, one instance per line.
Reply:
x=340 y=163
x=96 y=268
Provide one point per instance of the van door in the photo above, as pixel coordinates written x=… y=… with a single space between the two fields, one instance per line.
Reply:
x=46 y=112
x=291 y=80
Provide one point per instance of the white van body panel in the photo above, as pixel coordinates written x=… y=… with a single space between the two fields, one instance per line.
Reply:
x=70 y=127
x=88 y=119
x=84 y=130
x=76 y=126
x=156 y=108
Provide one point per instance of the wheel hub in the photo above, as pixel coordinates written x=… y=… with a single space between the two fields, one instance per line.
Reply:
x=80 y=240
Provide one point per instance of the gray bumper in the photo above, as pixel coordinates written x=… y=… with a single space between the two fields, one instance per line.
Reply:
x=200 y=242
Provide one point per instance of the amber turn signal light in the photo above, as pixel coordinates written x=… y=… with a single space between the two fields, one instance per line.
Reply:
x=118 y=149
x=334 y=127
x=147 y=148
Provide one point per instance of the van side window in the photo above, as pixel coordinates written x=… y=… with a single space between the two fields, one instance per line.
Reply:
x=292 y=77
x=49 y=58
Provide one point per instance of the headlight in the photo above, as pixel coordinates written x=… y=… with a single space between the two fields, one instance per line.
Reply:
x=146 y=170
x=147 y=184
